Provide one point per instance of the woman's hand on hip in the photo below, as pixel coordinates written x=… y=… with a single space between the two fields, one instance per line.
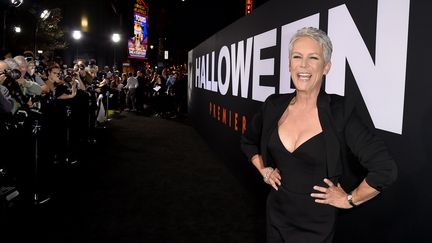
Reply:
x=332 y=195
x=272 y=177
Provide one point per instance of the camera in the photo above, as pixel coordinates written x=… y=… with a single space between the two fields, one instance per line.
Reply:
x=70 y=72
x=68 y=79
x=11 y=76
x=39 y=69
x=13 y=86
x=12 y=73
x=69 y=75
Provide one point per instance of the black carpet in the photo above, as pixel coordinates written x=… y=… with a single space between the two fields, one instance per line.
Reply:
x=147 y=179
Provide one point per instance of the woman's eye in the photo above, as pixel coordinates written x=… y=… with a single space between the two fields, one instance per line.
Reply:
x=314 y=58
x=296 y=57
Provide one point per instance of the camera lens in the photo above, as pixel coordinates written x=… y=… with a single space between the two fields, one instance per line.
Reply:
x=13 y=74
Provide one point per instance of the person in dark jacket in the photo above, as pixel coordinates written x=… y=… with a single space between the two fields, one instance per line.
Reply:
x=300 y=142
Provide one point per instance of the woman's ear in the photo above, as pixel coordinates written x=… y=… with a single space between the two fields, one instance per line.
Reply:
x=327 y=68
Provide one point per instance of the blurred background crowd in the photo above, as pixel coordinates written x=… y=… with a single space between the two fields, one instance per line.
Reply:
x=49 y=112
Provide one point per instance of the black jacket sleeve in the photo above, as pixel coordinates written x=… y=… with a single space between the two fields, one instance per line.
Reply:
x=250 y=141
x=371 y=152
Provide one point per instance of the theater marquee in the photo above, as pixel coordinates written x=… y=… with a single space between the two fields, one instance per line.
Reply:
x=137 y=44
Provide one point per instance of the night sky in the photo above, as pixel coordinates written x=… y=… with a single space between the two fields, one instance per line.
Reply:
x=187 y=24
x=183 y=25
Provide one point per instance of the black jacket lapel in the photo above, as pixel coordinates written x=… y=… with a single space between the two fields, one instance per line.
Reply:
x=330 y=136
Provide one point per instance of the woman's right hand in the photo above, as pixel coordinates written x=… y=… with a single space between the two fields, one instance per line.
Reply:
x=272 y=177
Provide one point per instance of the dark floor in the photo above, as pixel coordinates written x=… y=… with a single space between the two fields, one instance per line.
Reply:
x=147 y=180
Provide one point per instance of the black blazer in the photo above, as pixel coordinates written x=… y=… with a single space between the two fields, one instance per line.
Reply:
x=344 y=134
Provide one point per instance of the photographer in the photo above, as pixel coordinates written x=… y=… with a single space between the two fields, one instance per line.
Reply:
x=11 y=88
x=93 y=68
x=62 y=90
x=84 y=75
x=17 y=122
x=20 y=89
x=59 y=111
x=33 y=75
x=28 y=87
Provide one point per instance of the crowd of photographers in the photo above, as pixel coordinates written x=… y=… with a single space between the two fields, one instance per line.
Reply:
x=46 y=114
x=49 y=112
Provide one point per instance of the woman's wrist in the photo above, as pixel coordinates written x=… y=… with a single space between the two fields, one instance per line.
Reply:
x=266 y=173
x=350 y=200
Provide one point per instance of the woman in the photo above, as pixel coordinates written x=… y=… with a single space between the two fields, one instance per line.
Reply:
x=298 y=143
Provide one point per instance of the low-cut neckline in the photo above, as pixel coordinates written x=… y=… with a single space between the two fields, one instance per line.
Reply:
x=301 y=145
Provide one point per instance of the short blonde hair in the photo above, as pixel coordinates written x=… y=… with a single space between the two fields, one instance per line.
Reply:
x=318 y=35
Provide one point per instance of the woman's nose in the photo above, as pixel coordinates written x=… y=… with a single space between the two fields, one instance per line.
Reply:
x=303 y=62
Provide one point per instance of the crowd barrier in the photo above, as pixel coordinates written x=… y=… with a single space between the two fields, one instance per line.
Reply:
x=33 y=141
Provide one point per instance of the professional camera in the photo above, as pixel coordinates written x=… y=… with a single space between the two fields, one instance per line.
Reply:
x=68 y=79
x=71 y=72
x=69 y=75
x=12 y=73
x=11 y=76
x=13 y=86
x=39 y=69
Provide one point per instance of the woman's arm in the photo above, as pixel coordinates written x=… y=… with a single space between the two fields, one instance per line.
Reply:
x=250 y=146
x=373 y=155
x=371 y=152
x=336 y=196
x=270 y=175
x=363 y=193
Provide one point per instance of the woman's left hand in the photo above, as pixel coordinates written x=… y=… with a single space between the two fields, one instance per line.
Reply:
x=331 y=195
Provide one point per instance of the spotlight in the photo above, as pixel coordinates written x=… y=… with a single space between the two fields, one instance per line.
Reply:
x=76 y=34
x=16 y=3
x=115 y=37
x=45 y=14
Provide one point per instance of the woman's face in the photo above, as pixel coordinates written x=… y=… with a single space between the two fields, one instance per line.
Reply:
x=54 y=74
x=307 y=65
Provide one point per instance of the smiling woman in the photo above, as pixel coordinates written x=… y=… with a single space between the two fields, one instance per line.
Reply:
x=298 y=143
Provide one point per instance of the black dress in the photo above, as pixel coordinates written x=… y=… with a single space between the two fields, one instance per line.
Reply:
x=292 y=214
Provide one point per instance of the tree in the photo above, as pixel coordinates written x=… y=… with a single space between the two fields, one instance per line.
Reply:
x=51 y=34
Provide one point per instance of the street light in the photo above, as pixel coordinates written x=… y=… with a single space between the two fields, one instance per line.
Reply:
x=13 y=3
x=115 y=38
x=42 y=17
x=76 y=34
x=45 y=14
x=17 y=29
x=16 y=3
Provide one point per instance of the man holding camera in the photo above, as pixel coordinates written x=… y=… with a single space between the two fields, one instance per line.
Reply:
x=20 y=89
